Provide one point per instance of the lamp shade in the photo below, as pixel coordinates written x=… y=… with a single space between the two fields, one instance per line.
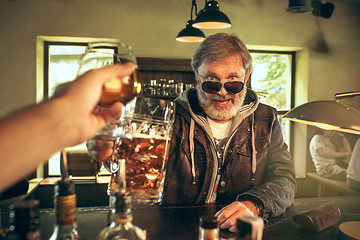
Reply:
x=190 y=34
x=211 y=17
x=299 y=6
x=329 y=115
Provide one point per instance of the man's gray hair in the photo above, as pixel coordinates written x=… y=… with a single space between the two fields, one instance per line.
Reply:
x=220 y=46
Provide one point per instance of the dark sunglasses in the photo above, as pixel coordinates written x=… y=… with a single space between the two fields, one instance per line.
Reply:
x=230 y=87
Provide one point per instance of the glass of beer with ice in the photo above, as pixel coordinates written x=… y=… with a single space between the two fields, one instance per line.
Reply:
x=145 y=127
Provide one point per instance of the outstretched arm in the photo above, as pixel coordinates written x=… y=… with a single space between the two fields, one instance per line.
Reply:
x=30 y=136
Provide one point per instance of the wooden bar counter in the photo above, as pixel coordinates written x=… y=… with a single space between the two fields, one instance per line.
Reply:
x=182 y=222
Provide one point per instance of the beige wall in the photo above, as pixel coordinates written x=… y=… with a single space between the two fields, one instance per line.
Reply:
x=151 y=27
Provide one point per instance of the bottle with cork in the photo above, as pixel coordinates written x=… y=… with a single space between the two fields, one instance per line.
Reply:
x=65 y=205
x=121 y=226
x=65 y=211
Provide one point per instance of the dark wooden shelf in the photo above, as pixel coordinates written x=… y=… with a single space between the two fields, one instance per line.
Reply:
x=159 y=96
x=179 y=70
x=165 y=64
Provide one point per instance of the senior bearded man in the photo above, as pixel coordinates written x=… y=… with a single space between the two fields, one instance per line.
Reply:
x=227 y=148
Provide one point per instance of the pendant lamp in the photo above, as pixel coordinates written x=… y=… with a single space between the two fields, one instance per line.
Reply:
x=210 y=17
x=328 y=115
x=189 y=33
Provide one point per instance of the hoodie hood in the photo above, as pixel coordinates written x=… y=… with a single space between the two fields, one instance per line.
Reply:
x=189 y=101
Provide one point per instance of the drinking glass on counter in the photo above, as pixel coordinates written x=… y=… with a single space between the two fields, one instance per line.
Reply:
x=145 y=128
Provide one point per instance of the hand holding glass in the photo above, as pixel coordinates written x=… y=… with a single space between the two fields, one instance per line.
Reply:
x=101 y=54
x=98 y=55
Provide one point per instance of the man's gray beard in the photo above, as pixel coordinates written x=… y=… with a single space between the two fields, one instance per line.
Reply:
x=220 y=114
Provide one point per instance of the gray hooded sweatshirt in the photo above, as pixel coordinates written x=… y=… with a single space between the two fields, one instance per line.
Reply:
x=255 y=163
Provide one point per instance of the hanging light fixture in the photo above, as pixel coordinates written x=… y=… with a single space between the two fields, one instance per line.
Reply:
x=328 y=115
x=299 y=6
x=189 y=33
x=210 y=17
x=320 y=9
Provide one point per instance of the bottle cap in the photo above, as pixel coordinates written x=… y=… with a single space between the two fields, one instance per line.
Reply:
x=208 y=222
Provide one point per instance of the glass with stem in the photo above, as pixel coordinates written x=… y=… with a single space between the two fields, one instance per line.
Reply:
x=101 y=54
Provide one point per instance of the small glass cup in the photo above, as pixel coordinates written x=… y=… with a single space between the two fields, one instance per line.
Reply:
x=100 y=54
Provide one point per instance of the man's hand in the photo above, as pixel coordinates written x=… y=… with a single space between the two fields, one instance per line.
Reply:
x=227 y=216
x=78 y=99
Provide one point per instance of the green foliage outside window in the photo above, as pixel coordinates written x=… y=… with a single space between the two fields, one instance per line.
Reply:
x=271 y=79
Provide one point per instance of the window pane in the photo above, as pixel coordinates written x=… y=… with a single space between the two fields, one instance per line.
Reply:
x=271 y=78
x=63 y=66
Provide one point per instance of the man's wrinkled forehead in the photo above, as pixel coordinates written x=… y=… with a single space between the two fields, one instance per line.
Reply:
x=234 y=61
x=223 y=60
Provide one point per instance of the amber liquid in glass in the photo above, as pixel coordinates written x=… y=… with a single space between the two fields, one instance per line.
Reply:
x=145 y=161
x=119 y=90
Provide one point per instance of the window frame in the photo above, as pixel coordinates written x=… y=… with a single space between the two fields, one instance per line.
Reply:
x=292 y=72
x=84 y=42
x=292 y=89
x=46 y=59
